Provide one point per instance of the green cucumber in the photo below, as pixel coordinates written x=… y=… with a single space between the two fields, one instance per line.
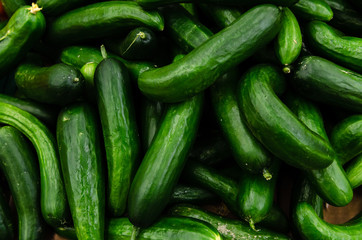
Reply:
x=23 y=30
x=311 y=226
x=56 y=7
x=288 y=43
x=10 y=6
x=192 y=195
x=162 y=165
x=276 y=220
x=117 y=114
x=100 y=19
x=354 y=173
x=190 y=7
x=80 y=156
x=228 y=228
x=275 y=126
x=18 y=164
x=312 y=10
x=202 y=66
x=346 y=51
x=53 y=201
x=222 y=16
x=6 y=220
x=58 y=84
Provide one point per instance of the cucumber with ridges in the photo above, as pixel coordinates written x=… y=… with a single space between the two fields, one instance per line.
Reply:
x=120 y=133
x=312 y=10
x=6 y=221
x=80 y=156
x=354 y=173
x=18 y=164
x=163 y=163
x=202 y=66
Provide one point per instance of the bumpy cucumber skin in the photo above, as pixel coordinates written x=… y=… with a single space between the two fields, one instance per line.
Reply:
x=80 y=156
x=202 y=66
x=18 y=164
x=120 y=133
x=273 y=124
x=10 y=6
x=54 y=205
x=6 y=220
x=23 y=30
x=288 y=43
x=157 y=3
x=323 y=81
x=354 y=173
x=222 y=16
x=100 y=20
x=193 y=195
x=162 y=165
x=313 y=10
x=56 y=7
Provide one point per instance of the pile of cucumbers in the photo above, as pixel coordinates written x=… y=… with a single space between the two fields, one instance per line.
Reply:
x=134 y=119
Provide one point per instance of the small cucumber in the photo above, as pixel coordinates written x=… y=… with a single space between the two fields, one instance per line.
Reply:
x=6 y=220
x=354 y=173
x=313 y=10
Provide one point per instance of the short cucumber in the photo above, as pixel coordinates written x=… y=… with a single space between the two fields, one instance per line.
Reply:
x=10 y=6
x=313 y=10
x=80 y=156
x=191 y=194
x=274 y=125
x=354 y=173
x=162 y=165
x=56 y=7
x=201 y=67
x=100 y=19
x=18 y=164
x=6 y=220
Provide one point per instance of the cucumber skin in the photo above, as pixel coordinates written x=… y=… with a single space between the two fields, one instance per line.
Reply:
x=120 y=133
x=18 y=164
x=313 y=10
x=56 y=7
x=193 y=195
x=26 y=29
x=221 y=15
x=6 y=220
x=157 y=3
x=10 y=6
x=162 y=165
x=354 y=173
x=80 y=156
x=274 y=125
x=202 y=66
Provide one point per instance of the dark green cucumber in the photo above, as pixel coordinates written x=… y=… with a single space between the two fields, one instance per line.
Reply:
x=190 y=7
x=6 y=220
x=117 y=114
x=276 y=220
x=223 y=51
x=23 y=30
x=192 y=195
x=139 y=44
x=288 y=43
x=162 y=165
x=323 y=81
x=10 y=6
x=59 y=84
x=222 y=16
x=248 y=152
x=275 y=126
x=228 y=228
x=330 y=183
x=80 y=156
x=354 y=172
x=54 y=205
x=184 y=29
x=346 y=51
x=18 y=164
x=312 y=10
x=56 y=7
x=100 y=19
x=310 y=226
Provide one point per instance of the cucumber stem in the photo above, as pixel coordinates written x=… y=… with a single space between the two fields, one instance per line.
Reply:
x=286 y=70
x=135 y=232
x=252 y=225
x=267 y=175
x=34 y=8
x=104 y=52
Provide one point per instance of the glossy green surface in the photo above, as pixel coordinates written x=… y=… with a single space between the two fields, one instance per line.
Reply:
x=18 y=164
x=163 y=162
x=156 y=3
x=6 y=221
x=54 y=205
x=120 y=133
x=56 y=7
x=10 y=6
x=81 y=160
x=274 y=125
x=191 y=194
x=312 y=10
x=223 y=51
x=354 y=172
x=223 y=16
x=100 y=20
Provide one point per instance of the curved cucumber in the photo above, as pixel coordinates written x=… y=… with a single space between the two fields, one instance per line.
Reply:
x=56 y=7
x=6 y=220
x=273 y=124
x=201 y=67
x=313 y=10
x=18 y=164
x=354 y=173
x=116 y=110
x=162 y=165
x=80 y=157
x=100 y=20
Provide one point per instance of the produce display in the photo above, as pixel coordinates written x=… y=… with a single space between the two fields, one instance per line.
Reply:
x=179 y=119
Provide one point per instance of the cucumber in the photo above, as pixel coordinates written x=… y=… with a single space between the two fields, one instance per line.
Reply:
x=58 y=84
x=346 y=51
x=100 y=19
x=222 y=16
x=228 y=228
x=288 y=43
x=56 y=7
x=310 y=226
x=275 y=126
x=80 y=156
x=162 y=165
x=276 y=220
x=6 y=221
x=354 y=173
x=120 y=133
x=192 y=195
x=53 y=201
x=312 y=10
x=323 y=81
x=202 y=66
x=23 y=30
x=10 y=6
x=18 y=164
